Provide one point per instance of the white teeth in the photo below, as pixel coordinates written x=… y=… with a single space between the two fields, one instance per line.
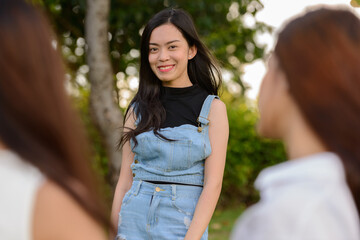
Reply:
x=165 y=68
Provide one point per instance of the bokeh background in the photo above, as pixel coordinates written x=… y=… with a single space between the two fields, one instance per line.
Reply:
x=240 y=34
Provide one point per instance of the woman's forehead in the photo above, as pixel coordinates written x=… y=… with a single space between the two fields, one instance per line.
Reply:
x=165 y=33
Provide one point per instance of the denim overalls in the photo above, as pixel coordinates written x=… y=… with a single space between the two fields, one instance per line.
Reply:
x=164 y=211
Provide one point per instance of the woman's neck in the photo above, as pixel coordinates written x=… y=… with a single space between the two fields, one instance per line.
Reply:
x=181 y=82
x=301 y=141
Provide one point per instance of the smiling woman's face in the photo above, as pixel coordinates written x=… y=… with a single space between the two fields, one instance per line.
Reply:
x=169 y=54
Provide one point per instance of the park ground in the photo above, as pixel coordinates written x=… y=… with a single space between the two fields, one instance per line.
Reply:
x=223 y=221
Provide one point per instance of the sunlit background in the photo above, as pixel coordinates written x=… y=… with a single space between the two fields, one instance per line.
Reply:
x=275 y=13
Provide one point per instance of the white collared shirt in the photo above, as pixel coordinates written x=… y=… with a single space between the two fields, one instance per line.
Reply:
x=302 y=199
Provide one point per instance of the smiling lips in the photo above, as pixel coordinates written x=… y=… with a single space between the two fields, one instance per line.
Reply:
x=166 y=68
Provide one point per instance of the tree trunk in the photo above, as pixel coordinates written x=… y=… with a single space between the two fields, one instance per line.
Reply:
x=105 y=112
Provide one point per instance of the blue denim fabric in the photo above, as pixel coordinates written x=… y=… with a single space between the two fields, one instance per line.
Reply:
x=167 y=213
x=179 y=161
x=157 y=211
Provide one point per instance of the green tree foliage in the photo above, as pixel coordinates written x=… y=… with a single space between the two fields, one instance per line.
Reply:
x=100 y=159
x=247 y=155
x=355 y=3
x=228 y=28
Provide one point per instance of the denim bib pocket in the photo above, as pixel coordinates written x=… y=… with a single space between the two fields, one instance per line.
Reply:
x=163 y=155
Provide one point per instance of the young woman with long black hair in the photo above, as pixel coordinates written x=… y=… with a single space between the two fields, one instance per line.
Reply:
x=175 y=139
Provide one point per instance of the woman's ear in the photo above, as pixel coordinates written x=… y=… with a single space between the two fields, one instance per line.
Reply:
x=192 y=52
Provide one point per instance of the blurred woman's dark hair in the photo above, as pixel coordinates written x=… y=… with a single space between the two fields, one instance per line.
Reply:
x=36 y=118
x=320 y=56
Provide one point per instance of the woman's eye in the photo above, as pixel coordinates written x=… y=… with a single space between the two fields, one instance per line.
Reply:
x=153 y=49
x=172 y=47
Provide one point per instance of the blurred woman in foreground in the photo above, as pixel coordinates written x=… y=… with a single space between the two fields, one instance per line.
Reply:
x=310 y=98
x=46 y=185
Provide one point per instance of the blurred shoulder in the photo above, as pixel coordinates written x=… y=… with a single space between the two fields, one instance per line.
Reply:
x=58 y=216
x=297 y=214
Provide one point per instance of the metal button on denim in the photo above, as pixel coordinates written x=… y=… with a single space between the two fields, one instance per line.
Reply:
x=157 y=189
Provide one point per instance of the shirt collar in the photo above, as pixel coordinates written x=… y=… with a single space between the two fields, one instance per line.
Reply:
x=325 y=166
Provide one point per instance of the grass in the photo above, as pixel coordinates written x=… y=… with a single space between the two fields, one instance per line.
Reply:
x=223 y=221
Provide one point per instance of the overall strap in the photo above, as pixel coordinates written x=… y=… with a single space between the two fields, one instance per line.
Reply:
x=203 y=118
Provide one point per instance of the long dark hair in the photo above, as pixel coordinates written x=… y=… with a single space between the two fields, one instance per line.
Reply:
x=202 y=70
x=320 y=55
x=36 y=118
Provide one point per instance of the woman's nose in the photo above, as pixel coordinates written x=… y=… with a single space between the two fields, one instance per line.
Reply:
x=163 y=55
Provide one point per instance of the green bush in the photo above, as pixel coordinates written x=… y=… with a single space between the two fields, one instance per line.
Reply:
x=247 y=155
x=99 y=159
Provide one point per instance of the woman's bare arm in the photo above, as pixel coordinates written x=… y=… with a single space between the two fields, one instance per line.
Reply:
x=214 y=170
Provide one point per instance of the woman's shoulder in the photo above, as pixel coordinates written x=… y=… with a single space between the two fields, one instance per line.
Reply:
x=218 y=104
x=299 y=214
x=31 y=205
x=55 y=207
x=218 y=108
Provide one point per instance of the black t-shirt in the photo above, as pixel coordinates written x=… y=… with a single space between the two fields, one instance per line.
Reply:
x=182 y=105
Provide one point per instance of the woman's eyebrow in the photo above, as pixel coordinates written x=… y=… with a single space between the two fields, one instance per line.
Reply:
x=156 y=44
